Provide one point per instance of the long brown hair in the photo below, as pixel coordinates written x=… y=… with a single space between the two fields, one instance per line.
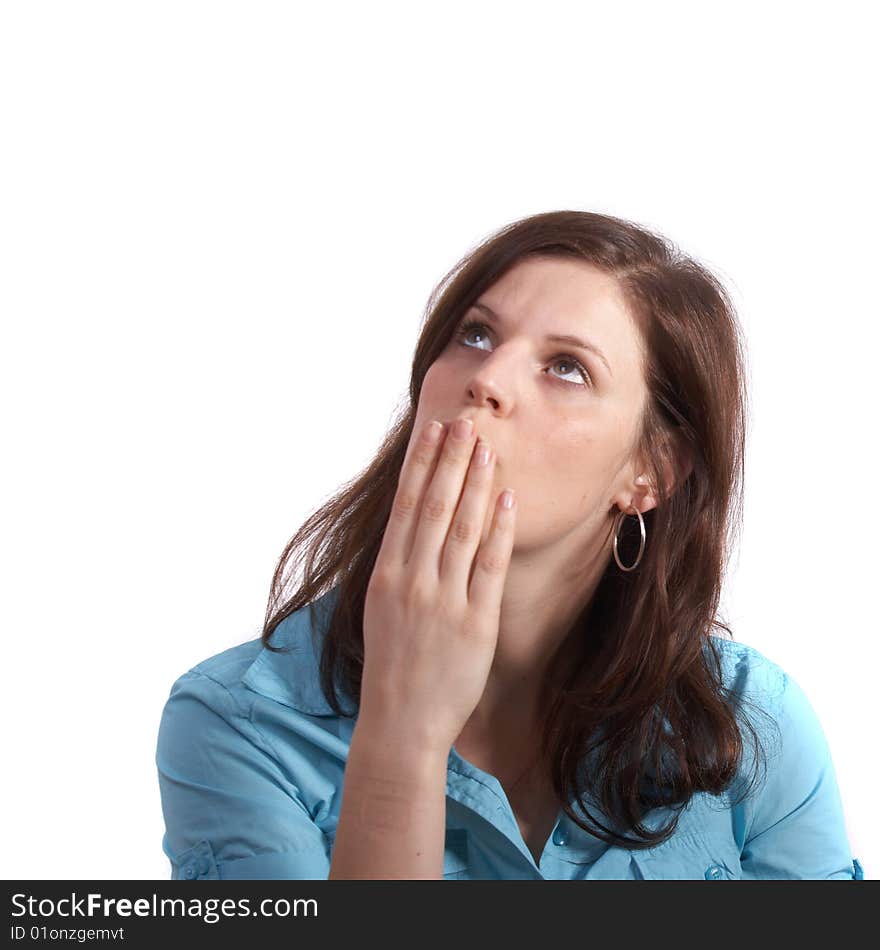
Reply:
x=643 y=719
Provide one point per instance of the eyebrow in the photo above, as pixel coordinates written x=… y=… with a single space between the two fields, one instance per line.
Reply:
x=553 y=337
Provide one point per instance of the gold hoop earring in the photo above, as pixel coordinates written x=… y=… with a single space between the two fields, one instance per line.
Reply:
x=617 y=524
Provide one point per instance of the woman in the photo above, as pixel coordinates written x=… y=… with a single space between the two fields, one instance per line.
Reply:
x=532 y=691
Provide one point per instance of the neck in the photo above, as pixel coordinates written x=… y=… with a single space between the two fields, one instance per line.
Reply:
x=545 y=592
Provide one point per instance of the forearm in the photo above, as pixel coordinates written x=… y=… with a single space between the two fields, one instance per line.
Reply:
x=392 y=818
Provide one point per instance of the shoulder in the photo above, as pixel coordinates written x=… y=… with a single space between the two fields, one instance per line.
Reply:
x=778 y=712
x=791 y=825
x=228 y=667
x=777 y=708
x=288 y=675
x=750 y=677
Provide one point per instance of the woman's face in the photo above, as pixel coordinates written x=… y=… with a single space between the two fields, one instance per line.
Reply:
x=561 y=433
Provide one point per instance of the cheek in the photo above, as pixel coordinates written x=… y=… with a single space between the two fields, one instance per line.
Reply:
x=568 y=452
x=430 y=399
x=437 y=385
x=565 y=472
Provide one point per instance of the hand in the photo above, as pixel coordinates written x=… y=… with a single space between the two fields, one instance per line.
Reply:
x=430 y=628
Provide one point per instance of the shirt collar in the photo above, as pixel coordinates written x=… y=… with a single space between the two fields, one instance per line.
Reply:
x=293 y=677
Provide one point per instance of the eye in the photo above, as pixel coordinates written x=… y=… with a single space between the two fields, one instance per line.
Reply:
x=464 y=331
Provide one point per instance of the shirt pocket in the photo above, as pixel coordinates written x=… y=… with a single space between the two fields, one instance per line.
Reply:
x=691 y=857
x=195 y=864
x=455 y=855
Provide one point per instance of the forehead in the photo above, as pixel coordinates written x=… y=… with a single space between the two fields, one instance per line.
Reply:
x=560 y=295
x=542 y=283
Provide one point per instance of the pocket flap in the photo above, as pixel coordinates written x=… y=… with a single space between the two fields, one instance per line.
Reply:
x=691 y=857
x=195 y=864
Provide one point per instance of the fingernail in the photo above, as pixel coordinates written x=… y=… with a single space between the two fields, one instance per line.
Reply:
x=507 y=498
x=462 y=428
x=482 y=453
x=432 y=433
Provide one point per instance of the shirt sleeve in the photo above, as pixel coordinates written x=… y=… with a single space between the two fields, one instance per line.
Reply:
x=797 y=828
x=229 y=809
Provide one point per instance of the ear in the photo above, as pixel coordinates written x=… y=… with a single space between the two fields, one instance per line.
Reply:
x=680 y=459
x=676 y=464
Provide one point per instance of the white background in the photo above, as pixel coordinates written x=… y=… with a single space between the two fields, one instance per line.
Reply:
x=220 y=225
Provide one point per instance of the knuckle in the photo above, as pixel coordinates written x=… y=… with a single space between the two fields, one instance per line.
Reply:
x=404 y=505
x=435 y=509
x=453 y=455
x=462 y=531
x=419 y=593
x=422 y=454
x=491 y=562
x=381 y=579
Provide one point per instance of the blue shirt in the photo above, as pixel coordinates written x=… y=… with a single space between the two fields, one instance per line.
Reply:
x=251 y=761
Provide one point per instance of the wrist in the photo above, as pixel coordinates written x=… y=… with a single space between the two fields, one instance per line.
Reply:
x=400 y=736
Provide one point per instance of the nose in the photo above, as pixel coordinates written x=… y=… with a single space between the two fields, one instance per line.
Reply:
x=484 y=390
x=490 y=385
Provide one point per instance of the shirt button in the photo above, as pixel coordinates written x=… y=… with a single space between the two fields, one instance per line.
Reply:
x=189 y=872
x=560 y=835
x=713 y=872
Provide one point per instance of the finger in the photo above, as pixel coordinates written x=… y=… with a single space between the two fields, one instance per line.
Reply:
x=492 y=561
x=466 y=531
x=441 y=500
x=415 y=475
